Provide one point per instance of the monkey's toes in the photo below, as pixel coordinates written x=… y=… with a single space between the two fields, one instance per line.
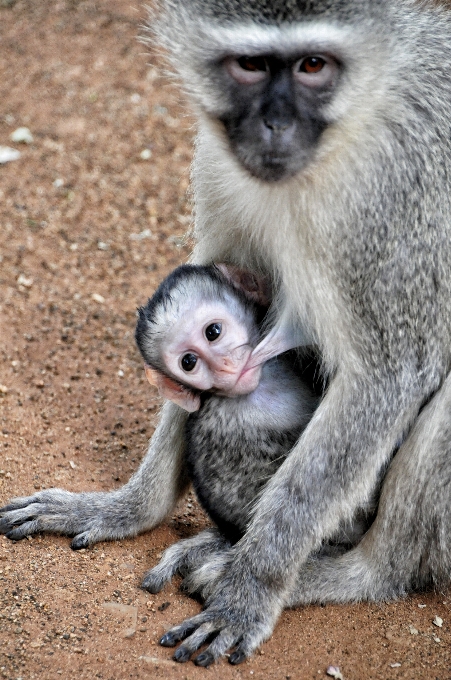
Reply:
x=81 y=541
x=170 y=640
x=152 y=583
x=238 y=656
x=204 y=659
x=181 y=655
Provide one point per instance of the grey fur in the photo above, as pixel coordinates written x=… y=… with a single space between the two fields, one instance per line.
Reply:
x=360 y=243
x=234 y=446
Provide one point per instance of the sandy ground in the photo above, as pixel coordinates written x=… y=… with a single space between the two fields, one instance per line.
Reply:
x=89 y=225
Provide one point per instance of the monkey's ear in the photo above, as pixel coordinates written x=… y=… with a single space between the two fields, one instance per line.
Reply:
x=253 y=285
x=172 y=390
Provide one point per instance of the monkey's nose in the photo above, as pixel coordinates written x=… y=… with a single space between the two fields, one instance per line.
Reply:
x=227 y=365
x=277 y=125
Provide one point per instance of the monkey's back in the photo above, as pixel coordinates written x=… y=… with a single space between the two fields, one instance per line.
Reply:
x=234 y=445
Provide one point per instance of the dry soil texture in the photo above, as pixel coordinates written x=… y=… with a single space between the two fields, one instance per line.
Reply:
x=88 y=226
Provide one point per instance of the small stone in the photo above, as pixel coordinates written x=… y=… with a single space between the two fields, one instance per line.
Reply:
x=145 y=233
x=58 y=183
x=3 y=389
x=334 y=672
x=7 y=154
x=145 y=154
x=72 y=464
x=24 y=281
x=21 y=135
x=395 y=665
x=436 y=639
x=98 y=298
x=101 y=245
x=421 y=606
x=413 y=631
x=120 y=373
x=438 y=622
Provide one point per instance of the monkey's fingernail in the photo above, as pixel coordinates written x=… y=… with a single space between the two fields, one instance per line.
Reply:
x=181 y=655
x=237 y=657
x=79 y=543
x=205 y=659
x=168 y=640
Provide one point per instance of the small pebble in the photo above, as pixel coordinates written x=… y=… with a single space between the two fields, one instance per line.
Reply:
x=334 y=672
x=395 y=665
x=413 y=631
x=438 y=622
x=21 y=135
x=98 y=298
x=146 y=233
x=145 y=154
x=22 y=280
x=7 y=154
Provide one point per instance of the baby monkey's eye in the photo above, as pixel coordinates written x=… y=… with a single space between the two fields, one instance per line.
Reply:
x=213 y=331
x=188 y=362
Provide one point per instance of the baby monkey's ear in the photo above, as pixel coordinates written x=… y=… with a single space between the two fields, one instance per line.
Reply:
x=255 y=286
x=172 y=390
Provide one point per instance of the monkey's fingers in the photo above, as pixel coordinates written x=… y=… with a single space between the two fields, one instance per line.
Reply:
x=90 y=517
x=181 y=631
x=244 y=637
x=28 y=519
x=193 y=642
x=16 y=504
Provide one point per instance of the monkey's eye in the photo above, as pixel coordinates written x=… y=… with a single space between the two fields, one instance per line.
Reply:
x=247 y=70
x=253 y=63
x=315 y=71
x=213 y=331
x=188 y=362
x=312 y=65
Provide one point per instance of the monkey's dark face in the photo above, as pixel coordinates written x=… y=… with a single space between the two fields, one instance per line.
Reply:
x=275 y=118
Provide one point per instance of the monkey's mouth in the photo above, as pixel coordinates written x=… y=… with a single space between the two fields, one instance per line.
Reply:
x=247 y=380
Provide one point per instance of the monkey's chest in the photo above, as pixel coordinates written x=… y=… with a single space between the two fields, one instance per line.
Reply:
x=229 y=461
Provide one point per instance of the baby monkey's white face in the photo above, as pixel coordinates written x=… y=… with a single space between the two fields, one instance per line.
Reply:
x=208 y=348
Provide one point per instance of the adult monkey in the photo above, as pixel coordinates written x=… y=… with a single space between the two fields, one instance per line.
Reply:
x=323 y=157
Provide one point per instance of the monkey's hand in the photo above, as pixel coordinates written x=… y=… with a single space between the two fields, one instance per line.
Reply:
x=242 y=612
x=90 y=517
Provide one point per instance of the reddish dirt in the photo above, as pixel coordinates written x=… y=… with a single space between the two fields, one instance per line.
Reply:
x=76 y=411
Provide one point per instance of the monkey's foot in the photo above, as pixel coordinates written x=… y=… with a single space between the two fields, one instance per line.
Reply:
x=89 y=517
x=185 y=558
x=241 y=615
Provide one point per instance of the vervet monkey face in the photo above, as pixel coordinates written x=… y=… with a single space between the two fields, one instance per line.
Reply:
x=208 y=349
x=277 y=109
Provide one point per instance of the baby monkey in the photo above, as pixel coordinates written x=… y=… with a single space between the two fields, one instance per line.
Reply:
x=197 y=335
